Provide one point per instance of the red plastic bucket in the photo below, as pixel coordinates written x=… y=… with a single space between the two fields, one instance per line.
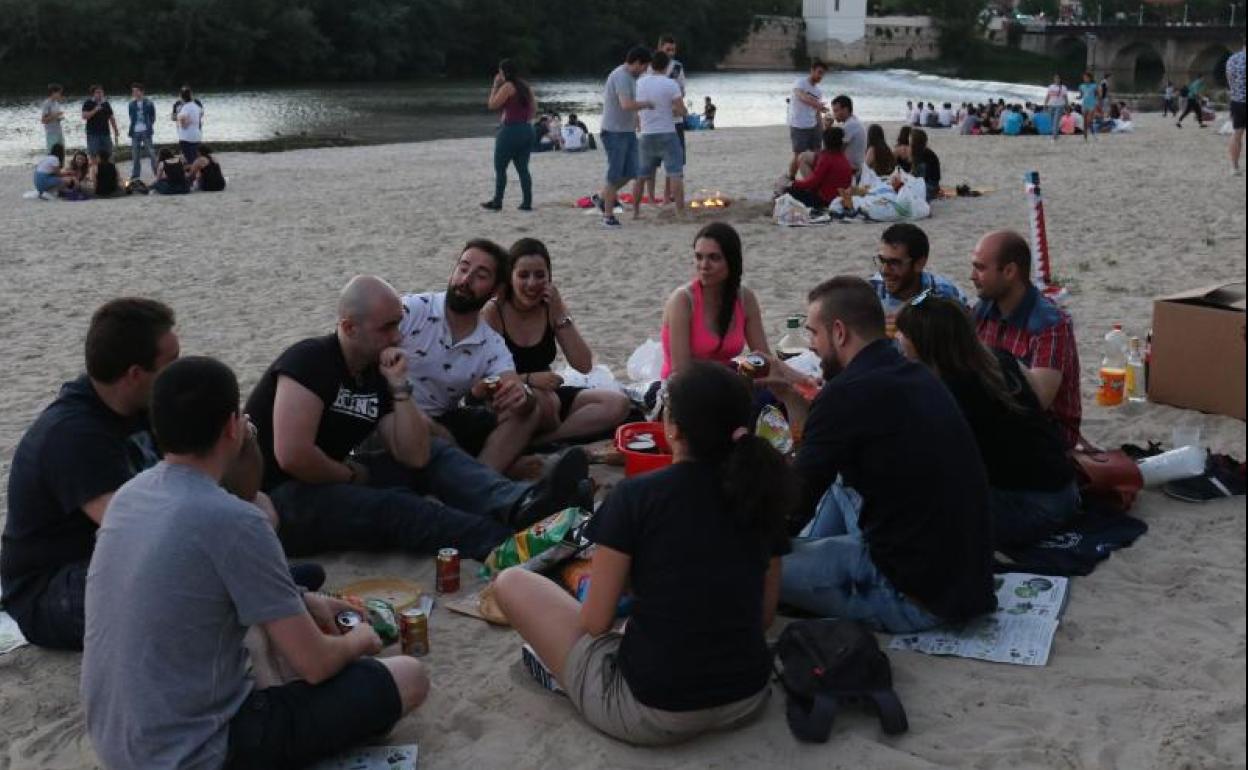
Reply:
x=642 y=462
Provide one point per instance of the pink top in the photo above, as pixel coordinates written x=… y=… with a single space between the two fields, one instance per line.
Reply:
x=516 y=111
x=704 y=344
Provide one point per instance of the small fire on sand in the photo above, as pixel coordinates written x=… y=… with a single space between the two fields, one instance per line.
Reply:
x=709 y=200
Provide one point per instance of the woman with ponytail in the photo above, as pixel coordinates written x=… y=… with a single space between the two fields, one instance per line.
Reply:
x=698 y=546
x=514 y=141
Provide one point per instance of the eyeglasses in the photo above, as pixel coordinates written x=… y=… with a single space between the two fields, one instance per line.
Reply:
x=920 y=297
x=890 y=263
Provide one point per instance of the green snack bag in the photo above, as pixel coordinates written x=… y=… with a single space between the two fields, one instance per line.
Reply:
x=383 y=618
x=773 y=427
x=540 y=537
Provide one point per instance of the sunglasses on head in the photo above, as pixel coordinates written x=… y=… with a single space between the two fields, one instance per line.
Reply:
x=920 y=297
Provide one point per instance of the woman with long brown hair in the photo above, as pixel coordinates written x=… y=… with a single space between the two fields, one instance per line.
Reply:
x=514 y=141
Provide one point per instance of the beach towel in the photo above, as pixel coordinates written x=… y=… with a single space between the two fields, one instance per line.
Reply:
x=1090 y=541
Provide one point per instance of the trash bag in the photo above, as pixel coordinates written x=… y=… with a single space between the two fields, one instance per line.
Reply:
x=790 y=212
x=646 y=362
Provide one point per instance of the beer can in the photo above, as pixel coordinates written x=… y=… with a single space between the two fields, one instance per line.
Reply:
x=448 y=571
x=415 y=634
x=347 y=620
x=491 y=383
x=755 y=366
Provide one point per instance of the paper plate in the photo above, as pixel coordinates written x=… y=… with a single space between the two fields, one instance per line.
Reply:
x=399 y=593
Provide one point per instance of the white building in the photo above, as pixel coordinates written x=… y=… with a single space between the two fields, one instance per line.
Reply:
x=840 y=33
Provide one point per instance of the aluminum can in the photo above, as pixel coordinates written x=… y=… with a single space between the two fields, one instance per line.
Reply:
x=448 y=571
x=414 y=637
x=347 y=620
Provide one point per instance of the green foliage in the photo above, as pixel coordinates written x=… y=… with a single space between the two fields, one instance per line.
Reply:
x=230 y=42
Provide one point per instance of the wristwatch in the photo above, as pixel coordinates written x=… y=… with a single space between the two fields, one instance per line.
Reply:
x=563 y=322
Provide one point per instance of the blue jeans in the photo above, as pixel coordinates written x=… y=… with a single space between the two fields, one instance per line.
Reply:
x=662 y=149
x=830 y=571
x=623 y=161
x=512 y=145
x=1024 y=517
x=140 y=144
x=190 y=151
x=393 y=512
x=1055 y=116
x=98 y=142
x=47 y=182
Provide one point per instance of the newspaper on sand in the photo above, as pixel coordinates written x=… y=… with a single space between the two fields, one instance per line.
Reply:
x=373 y=758
x=1020 y=631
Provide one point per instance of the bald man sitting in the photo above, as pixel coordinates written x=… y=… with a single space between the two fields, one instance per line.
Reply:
x=324 y=396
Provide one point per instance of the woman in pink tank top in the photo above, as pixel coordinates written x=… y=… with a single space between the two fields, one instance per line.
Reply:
x=714 y=318
x=514 y=140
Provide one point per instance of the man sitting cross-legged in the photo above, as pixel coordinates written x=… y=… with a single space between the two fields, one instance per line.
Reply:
x=451 y=350
x=324 y=396
x=901 y=535
x=180 y=570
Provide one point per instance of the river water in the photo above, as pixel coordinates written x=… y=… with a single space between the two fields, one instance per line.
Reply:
x=420 y=111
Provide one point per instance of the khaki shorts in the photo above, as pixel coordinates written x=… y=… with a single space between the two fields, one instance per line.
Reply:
x=597 y=688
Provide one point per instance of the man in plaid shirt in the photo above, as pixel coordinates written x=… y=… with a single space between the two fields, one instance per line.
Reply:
x=1014 y=316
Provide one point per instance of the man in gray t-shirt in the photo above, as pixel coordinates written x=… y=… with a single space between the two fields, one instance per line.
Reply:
x=855 y=132
x=619 y=122
x=52 y=115
x=181 y=569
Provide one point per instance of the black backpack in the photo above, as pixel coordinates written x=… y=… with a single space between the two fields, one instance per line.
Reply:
x=830 y=663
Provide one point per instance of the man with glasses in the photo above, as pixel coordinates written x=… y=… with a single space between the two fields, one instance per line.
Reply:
x=1012 y=315
x=901 y=275
x=901 y=533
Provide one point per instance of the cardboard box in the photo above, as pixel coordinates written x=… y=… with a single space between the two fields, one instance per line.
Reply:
x=1198 y=350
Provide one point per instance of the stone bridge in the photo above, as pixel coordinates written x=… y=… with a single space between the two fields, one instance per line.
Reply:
x=1140 y=57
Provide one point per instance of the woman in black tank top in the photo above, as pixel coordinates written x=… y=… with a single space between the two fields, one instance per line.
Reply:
x=535 y=324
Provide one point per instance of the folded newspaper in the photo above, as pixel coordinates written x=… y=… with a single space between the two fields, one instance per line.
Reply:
x=1020 y=631
x=372 y=758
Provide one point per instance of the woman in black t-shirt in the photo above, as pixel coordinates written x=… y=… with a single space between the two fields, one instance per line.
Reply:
x=205 y=172
x=171 y=176
x=699 y=545
x=104 y=175
x=925 y=163
x=1032 y=491
x=535 y=323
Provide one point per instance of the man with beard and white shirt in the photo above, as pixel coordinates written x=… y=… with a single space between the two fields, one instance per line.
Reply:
x=901 y=534
x=453 y=353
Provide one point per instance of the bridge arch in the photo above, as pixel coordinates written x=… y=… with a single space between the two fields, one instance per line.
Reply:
x=1140 y=65
x=1072 y=52
x=1210 y=63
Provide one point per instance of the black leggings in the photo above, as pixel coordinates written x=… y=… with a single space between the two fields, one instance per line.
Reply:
x=1193 y=108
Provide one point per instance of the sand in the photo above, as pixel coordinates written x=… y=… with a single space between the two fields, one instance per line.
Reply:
x=1148 y=665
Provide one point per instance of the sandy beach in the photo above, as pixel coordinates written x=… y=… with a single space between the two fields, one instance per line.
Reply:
x=1148 y=667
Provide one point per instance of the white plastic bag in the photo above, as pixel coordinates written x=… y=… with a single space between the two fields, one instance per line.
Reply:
x=646 y=362
x=911 y=200
x=790 y=212
x=599 y=377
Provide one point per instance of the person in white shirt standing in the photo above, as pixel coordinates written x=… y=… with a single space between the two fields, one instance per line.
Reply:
x=660 y=143
x=806 y=110
x=676 y=71
x=190 y=120
x=1055 y=103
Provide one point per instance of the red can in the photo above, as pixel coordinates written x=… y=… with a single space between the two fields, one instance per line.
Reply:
x=448 y=571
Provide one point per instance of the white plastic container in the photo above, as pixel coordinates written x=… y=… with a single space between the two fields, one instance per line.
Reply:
x=1182 y=463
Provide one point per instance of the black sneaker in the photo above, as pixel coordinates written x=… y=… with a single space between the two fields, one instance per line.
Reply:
x=560 y=487
x=611 y=223
x=526 y=207
x=539 y=671
x=492 y=206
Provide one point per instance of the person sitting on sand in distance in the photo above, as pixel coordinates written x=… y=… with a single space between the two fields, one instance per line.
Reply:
x=822 y=177
x=49 y=176
x=690 y=660
x=901 y=536
x=453 y=353
x=880 y=158
x=514 y=140
x=181 y=569
x=171 y=176
x=531 y=316
x=105 y=181
x=205 y=172
x=1032 y=492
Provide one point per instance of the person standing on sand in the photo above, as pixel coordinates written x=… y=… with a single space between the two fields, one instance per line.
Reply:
x=806 y=110
x=1088 y=99
x=514 y=139
x=190 y=122
x=708 y=114
x=52 y=116
x=660 y=139
x=1168 y=106
x=676 y=71
x=98 y=115
x=1191 y=92
x=181 y=570
x=619 y=129
x=1055 y=103
x=1235 y=89
x=142 y=127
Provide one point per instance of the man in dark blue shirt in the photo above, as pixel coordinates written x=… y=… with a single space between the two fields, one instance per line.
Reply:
x=901 y=535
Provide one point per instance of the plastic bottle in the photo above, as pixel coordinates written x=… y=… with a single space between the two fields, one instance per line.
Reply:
x=1113 y=368
x=793 y=342
x=1137 y=383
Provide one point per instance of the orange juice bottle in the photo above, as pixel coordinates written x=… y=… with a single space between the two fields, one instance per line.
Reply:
x=1113 y=369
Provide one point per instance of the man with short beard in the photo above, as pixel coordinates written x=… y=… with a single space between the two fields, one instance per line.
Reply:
x=901 y=534
x=452 y=354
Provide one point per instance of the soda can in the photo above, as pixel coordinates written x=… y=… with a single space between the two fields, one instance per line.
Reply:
x=448 y=571
x=415 y=634
x=347 y=620
x=754 y=366
x=491 y=383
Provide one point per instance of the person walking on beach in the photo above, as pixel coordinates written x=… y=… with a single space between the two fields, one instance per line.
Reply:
x=1102 y=91
x=1192 y=92
x=1055 y=103
x=708 y=114
x=1168 y=107
x=515 y=137
x=1235 y=89
x=142 y=128
x=98 y=114
x=52 y=115
x=1088 y=99
x=619 y=124
x=806 y=110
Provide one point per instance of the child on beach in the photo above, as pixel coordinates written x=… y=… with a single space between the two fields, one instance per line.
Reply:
x=693 y=657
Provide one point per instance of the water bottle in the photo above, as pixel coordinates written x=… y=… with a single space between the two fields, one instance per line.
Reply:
x=1113 y=368
x=793 y=342
x=1137 y=382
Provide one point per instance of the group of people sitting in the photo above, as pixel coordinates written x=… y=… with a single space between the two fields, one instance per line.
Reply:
x=999 y=118
x=96 y=176
x=551 y=134
x=152 y=514
x=829 y=174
